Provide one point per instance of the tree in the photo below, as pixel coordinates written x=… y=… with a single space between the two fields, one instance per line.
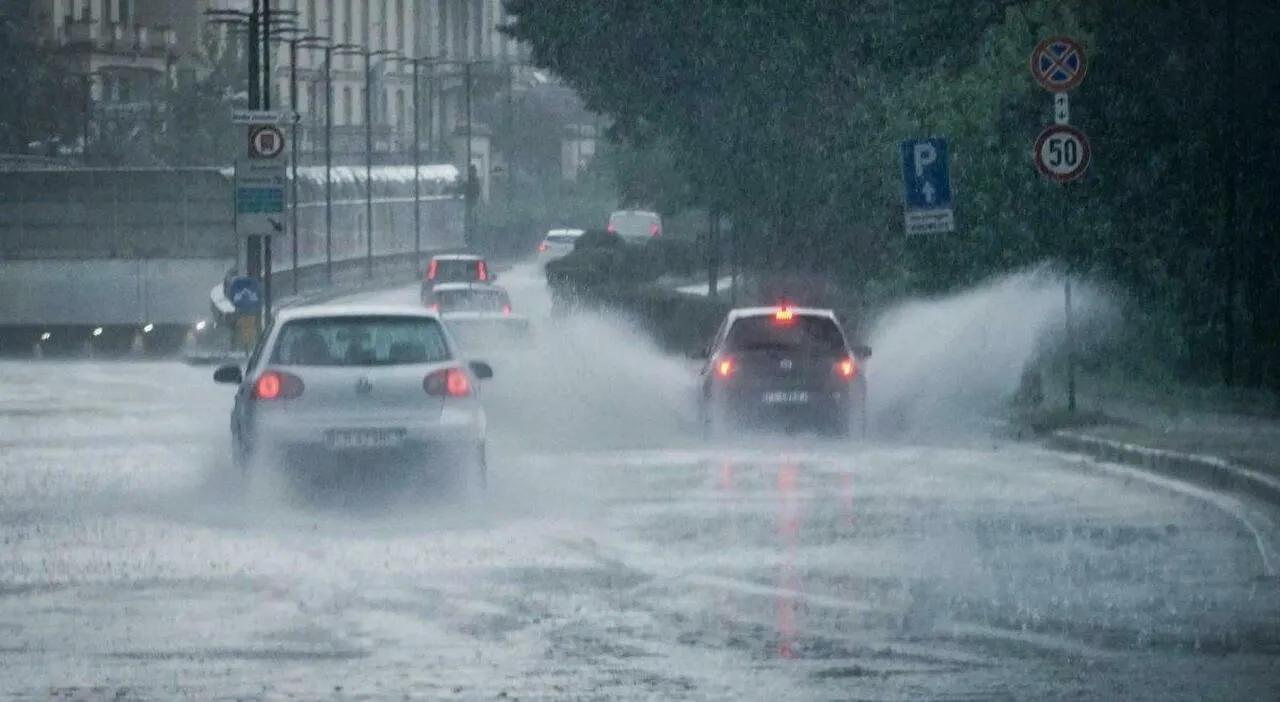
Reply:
x=198 y=129
x=43 y=101
x=787 y=117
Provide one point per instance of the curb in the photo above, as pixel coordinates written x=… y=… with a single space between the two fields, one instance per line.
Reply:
x=1204 y=470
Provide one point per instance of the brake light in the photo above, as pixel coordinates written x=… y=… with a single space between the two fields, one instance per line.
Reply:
x=542 y=248
x=847 y=367
x=432 y=269
x=435 y=307
x=482 y=270
x=450 y=382
x=724 y=367
x=506 y=309
x=784 y=314
x=274 y=385
x=613 y=227
x=653 y=229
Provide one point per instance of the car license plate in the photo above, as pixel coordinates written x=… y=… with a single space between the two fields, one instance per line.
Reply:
x=794 y=397
x=364 y=438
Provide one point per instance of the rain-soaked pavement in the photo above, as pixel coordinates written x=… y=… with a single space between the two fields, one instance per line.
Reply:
x=615 y=558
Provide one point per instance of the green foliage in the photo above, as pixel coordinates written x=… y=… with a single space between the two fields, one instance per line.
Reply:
x=787 y=115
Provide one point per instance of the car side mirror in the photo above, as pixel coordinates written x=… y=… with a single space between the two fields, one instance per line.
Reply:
x=231 y=375
x=483 y=370
x=862 y=351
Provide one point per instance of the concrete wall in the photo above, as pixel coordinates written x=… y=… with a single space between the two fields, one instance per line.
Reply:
x=107 y=291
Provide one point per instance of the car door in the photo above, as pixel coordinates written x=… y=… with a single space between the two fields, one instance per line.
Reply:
x=241 y=407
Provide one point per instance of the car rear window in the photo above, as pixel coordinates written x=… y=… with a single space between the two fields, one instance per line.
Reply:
x=808 y=334
x=456 y=269
x=360 y=341
x=562 y=238
x=634 y=224
x=471 y=300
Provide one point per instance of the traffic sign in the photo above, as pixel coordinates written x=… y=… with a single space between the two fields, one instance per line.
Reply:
x=926 y=184
x=1061 y=108
x=265 y=141
x=245 y=294
x=260 y=197
x=1058 y=64
x=1062 y=153
x=265 y=117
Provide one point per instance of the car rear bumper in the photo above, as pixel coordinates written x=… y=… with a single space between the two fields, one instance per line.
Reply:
x=312 y=443
x=762 y=406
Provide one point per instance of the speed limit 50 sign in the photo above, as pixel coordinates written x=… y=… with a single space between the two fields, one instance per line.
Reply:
x=1062 y=153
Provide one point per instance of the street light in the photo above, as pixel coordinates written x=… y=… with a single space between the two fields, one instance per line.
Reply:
x=368 y=143
x=416 y=62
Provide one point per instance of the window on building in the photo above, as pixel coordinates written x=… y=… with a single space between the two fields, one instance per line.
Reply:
x=348 y=109
x=402 y=27
x=400 y=113
x=312 y=19
x=477 y=28
x=442 y=30
x=383 y=22
x=348 y=23
x=364 y=104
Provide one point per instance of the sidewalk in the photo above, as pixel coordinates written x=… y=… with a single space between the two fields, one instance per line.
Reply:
x=1224 y=444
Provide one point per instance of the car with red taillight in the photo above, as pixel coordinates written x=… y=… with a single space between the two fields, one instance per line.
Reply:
x=783 y=366
x=558 y=243
x=359 y=389
x=456 y=268
x=636 y=226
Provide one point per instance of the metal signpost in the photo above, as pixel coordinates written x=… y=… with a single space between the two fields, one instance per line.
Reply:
x=926 y=184
x=1062 y=152
x=261 y=178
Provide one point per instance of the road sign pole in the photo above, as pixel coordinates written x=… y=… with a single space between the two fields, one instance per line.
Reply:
x=1062 y=153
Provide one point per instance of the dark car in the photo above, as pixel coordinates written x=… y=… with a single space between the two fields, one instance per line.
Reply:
x=455 y=268
x=783 y=366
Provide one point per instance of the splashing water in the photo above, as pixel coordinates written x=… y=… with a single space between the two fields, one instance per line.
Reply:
x=945 y=363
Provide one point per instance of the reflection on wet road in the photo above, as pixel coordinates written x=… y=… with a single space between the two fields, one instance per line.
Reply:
x=616 y=558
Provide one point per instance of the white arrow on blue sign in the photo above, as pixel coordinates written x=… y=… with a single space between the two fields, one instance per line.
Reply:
x=926 y=186
x=245 y=294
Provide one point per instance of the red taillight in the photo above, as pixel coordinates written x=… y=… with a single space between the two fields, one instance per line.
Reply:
x=613 y=227
x=450 y=382
x=654 y=230
x=274 y=385
x=506 y=309
x=784 y=314
x=847 y=367
x=542 y=248
x=435 y=307
x=724 y=367
x=482 y=270
x=431 y=269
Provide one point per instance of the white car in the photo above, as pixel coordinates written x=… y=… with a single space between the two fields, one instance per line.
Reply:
x=558 y=244
x=480 y=316
x=359 y=388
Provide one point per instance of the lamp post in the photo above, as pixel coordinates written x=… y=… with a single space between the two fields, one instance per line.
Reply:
x=417 y=62
x=295 y=42
x=368 y=146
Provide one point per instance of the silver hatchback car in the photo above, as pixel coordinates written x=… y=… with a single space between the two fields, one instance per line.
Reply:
x=359 y=387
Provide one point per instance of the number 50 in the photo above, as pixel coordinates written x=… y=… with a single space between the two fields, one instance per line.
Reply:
x=1063 y=151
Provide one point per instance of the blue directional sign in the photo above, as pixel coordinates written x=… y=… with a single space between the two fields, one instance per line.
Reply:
x=245 y=294
x=926 y=184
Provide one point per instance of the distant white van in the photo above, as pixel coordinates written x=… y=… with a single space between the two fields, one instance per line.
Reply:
x=636 y=225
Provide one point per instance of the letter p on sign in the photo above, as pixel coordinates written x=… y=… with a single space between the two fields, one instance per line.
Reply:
x=925 y=156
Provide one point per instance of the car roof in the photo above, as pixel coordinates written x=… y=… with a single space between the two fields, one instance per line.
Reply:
x=745 y=312
x=566 y=232
x=457 y=257
x=322 y=311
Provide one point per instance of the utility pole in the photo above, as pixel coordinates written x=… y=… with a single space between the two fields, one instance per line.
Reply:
x=264 y=243
x=1230 y=177
x=254 y=244
x=469 y=193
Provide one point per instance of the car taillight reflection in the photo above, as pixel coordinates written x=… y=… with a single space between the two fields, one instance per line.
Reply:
x=450 y=382
x=274 y=385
